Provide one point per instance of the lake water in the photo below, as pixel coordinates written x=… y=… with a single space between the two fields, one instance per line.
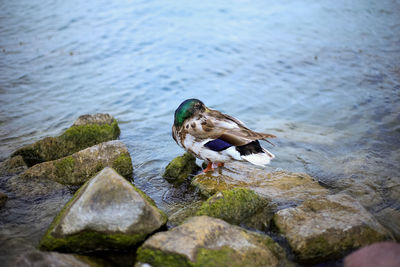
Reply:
x=324 y=76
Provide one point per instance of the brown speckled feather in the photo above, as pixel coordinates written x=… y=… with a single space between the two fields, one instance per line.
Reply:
x=213 y=124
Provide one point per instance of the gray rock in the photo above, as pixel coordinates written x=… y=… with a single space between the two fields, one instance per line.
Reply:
x=106 y=213
x=38 y=258
x=206 y=241
x=79 y=167
x=325 y=227
x=278 y=187
x=87 y=131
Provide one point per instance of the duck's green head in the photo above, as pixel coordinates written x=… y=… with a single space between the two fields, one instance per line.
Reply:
x=187 y=109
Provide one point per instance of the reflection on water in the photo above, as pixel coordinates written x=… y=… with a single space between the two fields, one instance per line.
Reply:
x=323 y=76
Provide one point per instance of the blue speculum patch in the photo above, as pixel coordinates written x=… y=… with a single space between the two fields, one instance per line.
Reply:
x=217 y=145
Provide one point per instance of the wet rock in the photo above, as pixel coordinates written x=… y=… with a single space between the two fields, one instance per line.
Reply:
x=40 y=258
x=13 y=165
x=325 y=227
x=180 y=168
x=79 y=167
x=390 y=219
x=278 y=187
x=106 y=213
x=238 y=206
x=87 y=131
x=385 y=254
x=206 y=241
x=3 y=199
x=185 y=211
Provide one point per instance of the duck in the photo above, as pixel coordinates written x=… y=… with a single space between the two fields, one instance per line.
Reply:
x=216 y=137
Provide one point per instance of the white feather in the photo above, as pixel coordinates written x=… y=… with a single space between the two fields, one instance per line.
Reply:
x=260 y=159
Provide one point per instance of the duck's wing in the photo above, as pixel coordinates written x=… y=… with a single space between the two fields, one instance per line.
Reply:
x=215 y=125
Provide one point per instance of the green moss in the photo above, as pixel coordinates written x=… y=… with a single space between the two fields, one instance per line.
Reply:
x=233 y=206
x=83 y=136
x=72 y=140
x=64 y=167
x=159 y=258
x=123 y=165
x=180 y=168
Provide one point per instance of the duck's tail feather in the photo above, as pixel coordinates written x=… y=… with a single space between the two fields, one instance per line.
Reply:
x=260 y=159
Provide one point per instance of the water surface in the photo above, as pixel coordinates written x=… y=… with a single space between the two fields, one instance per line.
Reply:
x=324 y=76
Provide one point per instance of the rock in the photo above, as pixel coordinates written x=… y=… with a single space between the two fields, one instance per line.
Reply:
x=40 y=258
x=278 y=187
x=13 y=165
x=238 y=206
x=80 y=166
x=3 y=199
x=206 y=241
x=106 y=213
x=327 y=226
x=390 y=218
x=385 y=254
x=180 y=168
x=87 y=131
x=185 y=211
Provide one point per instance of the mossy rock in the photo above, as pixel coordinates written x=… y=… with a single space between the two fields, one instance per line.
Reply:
x=328 y=226
x=238 y=206
x=80 y=166
x=106 y=213
x=206 y=241
x=179 y=169
x=91 y=130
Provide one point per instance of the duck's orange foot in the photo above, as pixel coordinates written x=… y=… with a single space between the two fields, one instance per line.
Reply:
x=209 y=167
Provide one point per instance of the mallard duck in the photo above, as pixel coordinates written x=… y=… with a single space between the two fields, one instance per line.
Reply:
x=216 y=137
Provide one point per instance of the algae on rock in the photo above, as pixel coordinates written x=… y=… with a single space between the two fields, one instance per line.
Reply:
x=238 y=206
x=328 y=226
x=106 y=213
x=87 y=131
x=80 y=166
x=207 y=241
x=180 y=168
x=277 y=186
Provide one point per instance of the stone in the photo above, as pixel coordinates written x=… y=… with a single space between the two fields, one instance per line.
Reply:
x=3 y=199
x=87 y=131
x=12 y=166
x=39 y=258
x=385 y=254
x=207 y=241
x=390 y=219
x=182 y=212
x=327 y=226
x=277 y=186
x=239 y=206
x=106 y=213
x=179 y=169
x=80 y=166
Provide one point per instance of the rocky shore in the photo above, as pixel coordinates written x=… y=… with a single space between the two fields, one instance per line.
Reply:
x=247 y=216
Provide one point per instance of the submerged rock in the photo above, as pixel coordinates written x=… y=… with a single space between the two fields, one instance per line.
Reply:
x=180 y=168
x=385 y=254
x=106 y=213
x=40 y=258
x=327 y=226
x=13 y=165
x=277 y=187
x=206 y=241
x=79 y=167
x=3 y=199
x=238 y=206
x=88 y=130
